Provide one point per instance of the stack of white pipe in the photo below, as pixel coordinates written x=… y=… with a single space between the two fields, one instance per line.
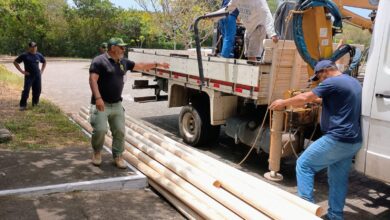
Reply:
x=199 y=186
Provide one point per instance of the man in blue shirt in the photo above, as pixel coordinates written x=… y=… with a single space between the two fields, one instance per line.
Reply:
x=32 y=74
x=340 y=123
x=228 y=30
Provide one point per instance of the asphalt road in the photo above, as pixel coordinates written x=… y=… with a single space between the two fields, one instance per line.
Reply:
x=66 y=84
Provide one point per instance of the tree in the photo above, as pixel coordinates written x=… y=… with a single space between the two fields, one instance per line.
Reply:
x=21 y=21
x=176 y=18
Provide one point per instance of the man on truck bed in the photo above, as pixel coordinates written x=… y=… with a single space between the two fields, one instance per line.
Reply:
x=257 y=19
x=228 y=30
x=340 y=123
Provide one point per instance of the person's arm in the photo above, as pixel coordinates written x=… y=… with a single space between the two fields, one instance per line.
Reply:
x=43 y=67
x=93 y=78
x=269 y=24
x=17 y=62
x=298 y=100
x=148 y=66
x=43 y=61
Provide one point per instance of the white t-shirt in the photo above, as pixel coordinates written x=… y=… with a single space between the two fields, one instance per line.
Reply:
x=254 y=13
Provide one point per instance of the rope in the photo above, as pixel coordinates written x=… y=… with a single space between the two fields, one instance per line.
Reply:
x=269 y=102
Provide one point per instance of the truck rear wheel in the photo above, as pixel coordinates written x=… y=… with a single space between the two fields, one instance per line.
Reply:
x=195 y=127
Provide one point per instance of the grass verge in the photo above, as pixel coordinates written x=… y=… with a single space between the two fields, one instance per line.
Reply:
x=40 y=127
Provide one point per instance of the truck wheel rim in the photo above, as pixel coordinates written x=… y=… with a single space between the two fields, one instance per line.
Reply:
x=189 y=126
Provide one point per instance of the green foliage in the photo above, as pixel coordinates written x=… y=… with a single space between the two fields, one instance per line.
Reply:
x=21 y=21
x=78 y=30
x=354 y=35
x=273 y=4
x=63 y=30
x=12 y=79
x=43 y=126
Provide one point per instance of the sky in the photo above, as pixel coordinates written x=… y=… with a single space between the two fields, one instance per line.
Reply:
x=126 y=3
x=132 y=4
x=122 y=3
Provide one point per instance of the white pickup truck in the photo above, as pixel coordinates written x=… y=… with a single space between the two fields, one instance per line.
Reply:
x=236 y=94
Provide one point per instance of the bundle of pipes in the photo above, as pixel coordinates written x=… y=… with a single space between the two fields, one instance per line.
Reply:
x=202 y=187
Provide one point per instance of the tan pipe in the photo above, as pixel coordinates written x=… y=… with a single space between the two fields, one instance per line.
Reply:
x=196 y=177
x=199 y=179
x=263 y=201
x=203 y=210
x=213 y=166
x=275 y=146
x=187 y=198
x=201 y=196
x=183 y=209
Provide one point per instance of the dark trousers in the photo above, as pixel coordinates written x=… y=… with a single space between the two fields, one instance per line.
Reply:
x=33 y=81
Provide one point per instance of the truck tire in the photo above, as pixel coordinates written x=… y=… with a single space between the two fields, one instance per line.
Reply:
x=192 y=125
x=195 y=127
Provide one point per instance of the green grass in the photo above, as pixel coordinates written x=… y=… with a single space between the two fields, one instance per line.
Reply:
x=10 y=78
x=39 y=127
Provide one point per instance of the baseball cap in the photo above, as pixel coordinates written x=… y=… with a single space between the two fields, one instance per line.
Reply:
x=116 y=41
x=321 y=65
x=32 y=44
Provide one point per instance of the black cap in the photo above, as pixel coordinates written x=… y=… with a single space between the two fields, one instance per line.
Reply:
x=32 y=44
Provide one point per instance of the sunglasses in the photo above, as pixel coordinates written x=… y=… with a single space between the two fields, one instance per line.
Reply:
x=122 y=47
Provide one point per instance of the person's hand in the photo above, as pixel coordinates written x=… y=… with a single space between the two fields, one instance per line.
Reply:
x=100 y=104
x=164 y=65
x=275 y=38
x=26 y=73
x=277 y=105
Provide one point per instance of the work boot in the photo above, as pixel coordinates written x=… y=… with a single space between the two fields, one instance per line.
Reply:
x=97 y=158
x=120 y=163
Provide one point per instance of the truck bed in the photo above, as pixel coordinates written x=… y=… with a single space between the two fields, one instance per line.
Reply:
x=281 y=69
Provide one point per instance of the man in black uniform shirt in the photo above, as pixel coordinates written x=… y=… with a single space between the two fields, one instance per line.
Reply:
x=106 y=80
x=32 y=74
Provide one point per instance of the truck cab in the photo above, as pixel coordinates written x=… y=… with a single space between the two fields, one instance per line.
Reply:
x=374 y=157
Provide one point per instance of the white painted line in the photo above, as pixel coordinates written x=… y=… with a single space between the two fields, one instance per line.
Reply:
x=116 y=183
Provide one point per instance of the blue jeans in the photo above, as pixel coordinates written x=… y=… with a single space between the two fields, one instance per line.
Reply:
x=337 y=157
x=228 y=31
x=33 y=81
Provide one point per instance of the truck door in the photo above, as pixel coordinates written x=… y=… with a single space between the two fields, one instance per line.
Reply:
x=376 y=100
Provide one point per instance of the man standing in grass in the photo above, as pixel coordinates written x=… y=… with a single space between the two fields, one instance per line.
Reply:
x=106 y=80
x=32 y=74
